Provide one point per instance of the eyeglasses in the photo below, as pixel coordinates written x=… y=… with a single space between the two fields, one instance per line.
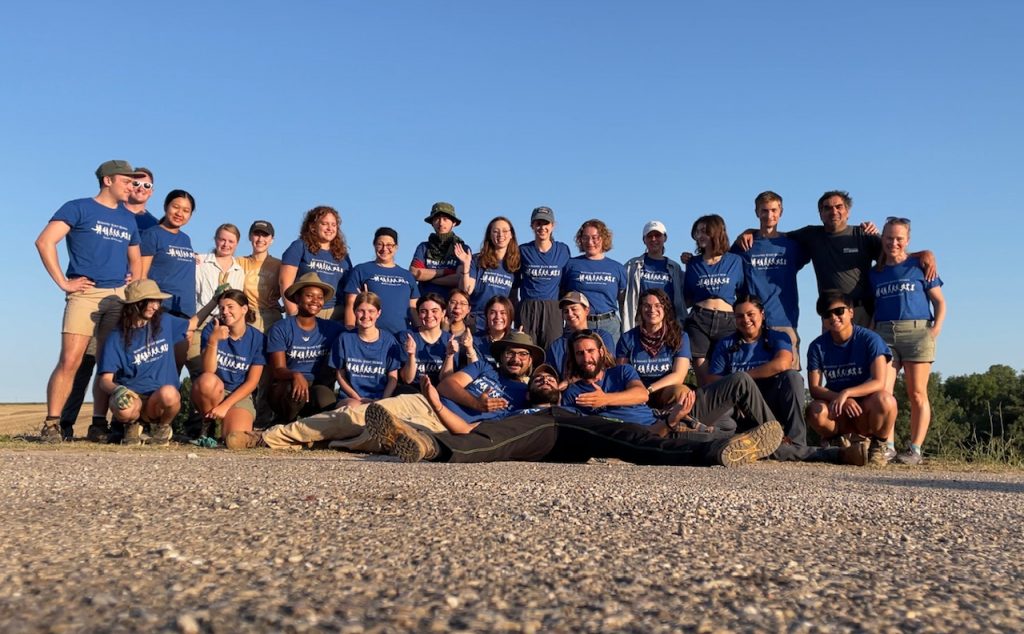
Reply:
x=142 y=185
x=501 y=232
x=838 y=311
x=455 y=304
x=519 y=354
x=898 y=220
x=386 y=246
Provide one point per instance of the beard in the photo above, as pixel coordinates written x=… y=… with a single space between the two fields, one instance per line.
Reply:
x=543 y=395
x=588 y=373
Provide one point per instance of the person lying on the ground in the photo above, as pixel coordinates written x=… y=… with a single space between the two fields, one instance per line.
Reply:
x=846 y=370
x=484 y=395
x=556 y=434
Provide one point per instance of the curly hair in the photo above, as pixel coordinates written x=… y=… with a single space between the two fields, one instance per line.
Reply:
x=339 y=249
x=673 y=333
x=714 y=227
x=489 y=254
x=602 y=230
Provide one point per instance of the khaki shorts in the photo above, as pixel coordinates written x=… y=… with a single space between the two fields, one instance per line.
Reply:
x=909 y=340
x=246 y=403
x=93 y=312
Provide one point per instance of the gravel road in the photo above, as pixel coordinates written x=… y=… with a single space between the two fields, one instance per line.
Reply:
x=147 y=539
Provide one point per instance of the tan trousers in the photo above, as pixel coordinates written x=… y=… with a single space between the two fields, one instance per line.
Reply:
x=346 y=426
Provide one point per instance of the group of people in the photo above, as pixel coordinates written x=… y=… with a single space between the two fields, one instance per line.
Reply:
x=464 y=350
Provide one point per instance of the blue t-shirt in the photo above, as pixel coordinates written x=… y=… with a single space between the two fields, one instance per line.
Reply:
x=555 y=355
x=777 y=260
x=234 y=358
x=305 y=351
x=482 y=343
x=145 y=220
x=649 y=368
x=540 y=274
x=147 y=363
x=600 y=280
x=723 y=280
x=443 y=267
x=654 y=274
x=901 y=292
x=395 y=286
x=98 y=241
x=732 y=355
x=429 y=356
x=489 y=283
x=615 y=380
x=330 y=269
x=173 y=267
x=366 y=363
x=485 y=377
x=848 y=364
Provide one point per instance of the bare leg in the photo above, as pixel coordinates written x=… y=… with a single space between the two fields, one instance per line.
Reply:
x=917 y=375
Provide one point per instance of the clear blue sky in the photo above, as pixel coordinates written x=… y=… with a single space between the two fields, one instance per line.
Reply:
x=621 y=111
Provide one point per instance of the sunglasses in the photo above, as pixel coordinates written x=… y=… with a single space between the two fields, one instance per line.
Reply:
x=838 y=311
x=142 y=185
x=897 y=219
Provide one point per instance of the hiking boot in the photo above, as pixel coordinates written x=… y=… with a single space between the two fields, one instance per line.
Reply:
x=759 y=442
x=398 y=437
x=132 y=434
x=856 y=454
x=160 y=435
x=98 y=433
x=51 y=433
x=244 y=440
x=116 y=434
x=878 y=453
x=910 y=457
x=380 y=425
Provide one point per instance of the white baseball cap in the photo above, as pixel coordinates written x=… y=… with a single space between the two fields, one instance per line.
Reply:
x=655 y=225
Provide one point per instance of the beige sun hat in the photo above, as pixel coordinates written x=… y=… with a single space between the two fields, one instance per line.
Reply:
x=309 y=279
x=140 y=290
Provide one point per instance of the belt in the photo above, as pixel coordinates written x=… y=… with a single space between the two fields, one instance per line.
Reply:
x=613 y=313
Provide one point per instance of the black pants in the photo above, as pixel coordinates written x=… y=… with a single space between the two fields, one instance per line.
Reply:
x=558 y=435
x=286 y=409
x=76 y=397
x=541 y=319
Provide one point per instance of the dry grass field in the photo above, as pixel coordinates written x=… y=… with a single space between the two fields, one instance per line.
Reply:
x=25 y=419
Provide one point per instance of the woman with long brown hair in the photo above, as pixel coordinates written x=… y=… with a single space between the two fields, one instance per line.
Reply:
x=320 y=249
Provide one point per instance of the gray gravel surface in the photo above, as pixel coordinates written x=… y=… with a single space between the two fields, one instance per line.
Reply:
x=216 y=541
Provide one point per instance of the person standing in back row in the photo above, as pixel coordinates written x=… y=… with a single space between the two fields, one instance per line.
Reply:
x=539 y=278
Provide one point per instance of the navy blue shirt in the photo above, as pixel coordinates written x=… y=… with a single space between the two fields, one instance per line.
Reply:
x=847 y=364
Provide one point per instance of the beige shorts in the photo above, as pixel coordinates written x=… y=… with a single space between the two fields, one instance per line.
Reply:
x=909 y=340
x=93 y=312
x=246 y=403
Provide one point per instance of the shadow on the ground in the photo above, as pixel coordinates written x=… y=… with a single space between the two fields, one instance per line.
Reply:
x=959 y=485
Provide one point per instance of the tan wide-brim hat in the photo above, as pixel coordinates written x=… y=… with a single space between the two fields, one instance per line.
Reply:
x=309 y=279
x=140 y=290
x=516 y=339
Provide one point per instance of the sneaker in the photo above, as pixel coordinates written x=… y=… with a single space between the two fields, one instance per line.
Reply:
x=398 y=438
x=244 y=440
x=132 y=434
x=160 y=435
x=878 y=453
x=98 y=433
x=856 y=454
x=910 y=457
x=759 y=442
x=51 y=432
